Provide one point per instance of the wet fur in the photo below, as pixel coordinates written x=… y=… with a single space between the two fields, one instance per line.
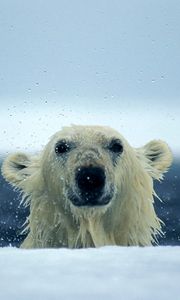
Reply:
x=129 y=218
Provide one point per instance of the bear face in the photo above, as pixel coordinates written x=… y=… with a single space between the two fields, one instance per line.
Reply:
x=89 y=187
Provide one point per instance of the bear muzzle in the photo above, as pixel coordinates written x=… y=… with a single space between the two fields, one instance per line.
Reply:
x=90 y=183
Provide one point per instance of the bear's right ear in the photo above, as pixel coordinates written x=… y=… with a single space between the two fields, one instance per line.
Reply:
x=16 y=168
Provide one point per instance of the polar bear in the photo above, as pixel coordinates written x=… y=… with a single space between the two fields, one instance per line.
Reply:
x=89 y=188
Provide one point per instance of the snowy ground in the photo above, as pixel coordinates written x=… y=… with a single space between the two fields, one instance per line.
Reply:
x=105 y=273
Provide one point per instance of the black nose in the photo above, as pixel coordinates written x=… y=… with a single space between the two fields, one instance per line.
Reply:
x=90 y=180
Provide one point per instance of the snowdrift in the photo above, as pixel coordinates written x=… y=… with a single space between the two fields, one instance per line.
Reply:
x=106 y=273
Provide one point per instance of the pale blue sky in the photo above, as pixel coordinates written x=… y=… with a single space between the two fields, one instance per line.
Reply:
x=108 y=62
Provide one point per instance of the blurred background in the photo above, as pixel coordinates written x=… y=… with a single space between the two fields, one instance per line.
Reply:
x=100 y=62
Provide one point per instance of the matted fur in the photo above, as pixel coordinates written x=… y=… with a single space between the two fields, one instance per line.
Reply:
x=129 y=218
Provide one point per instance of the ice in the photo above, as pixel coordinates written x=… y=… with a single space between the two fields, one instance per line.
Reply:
x=127 y=273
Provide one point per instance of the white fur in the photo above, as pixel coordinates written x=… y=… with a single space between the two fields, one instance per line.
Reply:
x=129 y=218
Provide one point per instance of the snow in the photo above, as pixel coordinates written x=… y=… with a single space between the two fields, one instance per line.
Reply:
x=127 y=273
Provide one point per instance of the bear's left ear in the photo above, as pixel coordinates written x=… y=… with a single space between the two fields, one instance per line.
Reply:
x=157 y=157
x=16 y=168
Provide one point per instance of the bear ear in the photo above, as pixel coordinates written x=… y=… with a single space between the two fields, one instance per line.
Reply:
x=16 y=168
x=158 y=158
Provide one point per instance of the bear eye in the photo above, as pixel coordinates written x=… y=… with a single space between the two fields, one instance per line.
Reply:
x=62 y=147
x=116 y=146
